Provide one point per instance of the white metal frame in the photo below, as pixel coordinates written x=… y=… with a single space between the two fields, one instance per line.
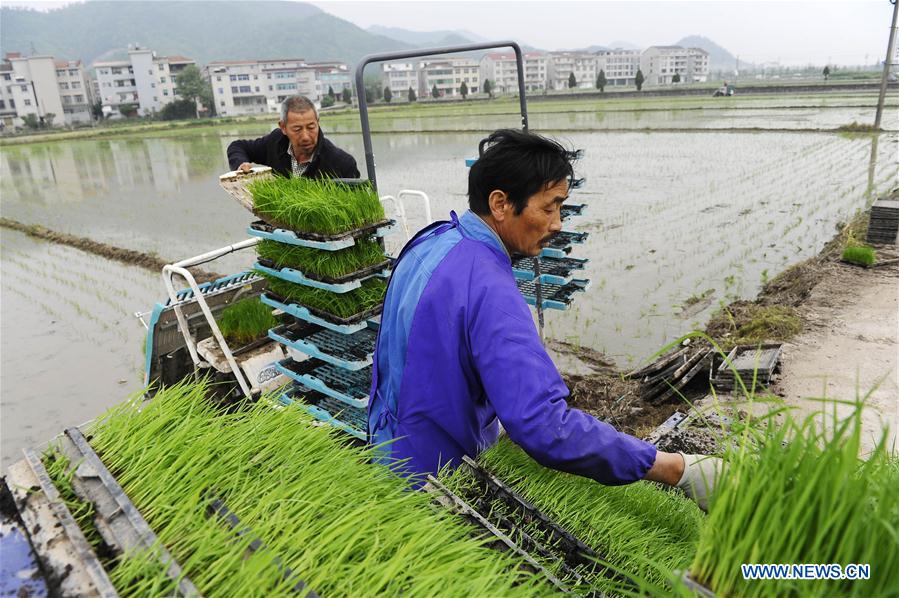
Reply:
x=180 y=268
x=399 y=207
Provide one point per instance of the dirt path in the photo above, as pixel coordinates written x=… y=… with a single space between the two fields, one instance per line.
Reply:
x=849 y=347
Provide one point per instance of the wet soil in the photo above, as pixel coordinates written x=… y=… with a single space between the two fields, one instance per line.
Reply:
x=149 y=261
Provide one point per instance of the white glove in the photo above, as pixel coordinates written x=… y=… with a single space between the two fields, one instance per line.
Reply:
x=700 y=476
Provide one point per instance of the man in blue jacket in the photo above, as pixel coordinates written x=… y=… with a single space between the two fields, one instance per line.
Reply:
x=296 y=148
x=458 y=352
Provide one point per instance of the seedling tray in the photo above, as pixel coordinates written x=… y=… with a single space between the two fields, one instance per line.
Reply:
x=553 y=296
x=560 y=245
x=344 y=285
x=272 y=232
x=570 y=210
x=348 y=351
x=350 y=387
x=351 y=420
x=349 y=325
x=750 y=361
x=553 y=270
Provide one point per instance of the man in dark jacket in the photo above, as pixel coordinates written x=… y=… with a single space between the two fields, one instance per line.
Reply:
x=296 y=148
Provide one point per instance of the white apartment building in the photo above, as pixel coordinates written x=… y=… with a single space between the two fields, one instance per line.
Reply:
x=258 y=86
x=399 y=77
x=8 y=114
x=330 y=75
x=620 y=66
x=74 y=91
x=145 y=79
x=34 y=89
x=660 y=64
x=563 y=64
x=501 y=69
x=448 y=75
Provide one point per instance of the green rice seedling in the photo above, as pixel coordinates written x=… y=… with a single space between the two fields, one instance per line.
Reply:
x=641 y=530
x=246 y=321
x=142 y=574
x=315 y=206
x=319 y=263
x=342 y=305
x=321 y=510
x=859 y=254
x=59 y=469
x=797 y=492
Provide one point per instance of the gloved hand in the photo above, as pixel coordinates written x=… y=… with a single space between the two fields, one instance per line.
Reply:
x=700 y=476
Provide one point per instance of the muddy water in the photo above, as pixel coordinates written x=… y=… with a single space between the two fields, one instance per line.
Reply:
x=671 y=215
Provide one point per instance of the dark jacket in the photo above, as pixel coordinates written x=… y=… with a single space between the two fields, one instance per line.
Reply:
x=329 y=160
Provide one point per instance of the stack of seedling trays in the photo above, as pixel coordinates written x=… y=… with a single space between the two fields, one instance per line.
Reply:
x=753 y=364
x=326 y=270
x=884 y=222
x=553 y=271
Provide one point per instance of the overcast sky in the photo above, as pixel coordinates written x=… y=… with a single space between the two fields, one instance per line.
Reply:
x=825 y=31
x=794 y=32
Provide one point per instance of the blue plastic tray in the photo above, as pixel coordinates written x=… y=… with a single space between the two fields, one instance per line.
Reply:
x=554 y=296
x=295 y=276
x=553 y=270
x=348 y=351
x=346 y=386
x=272 y=233
x=303 y=313
x=348 y=419
x=560 y=246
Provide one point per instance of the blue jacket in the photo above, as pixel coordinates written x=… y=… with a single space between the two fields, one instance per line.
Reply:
x=458 y=350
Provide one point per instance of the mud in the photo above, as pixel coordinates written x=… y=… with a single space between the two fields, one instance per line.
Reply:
x=149 y=261
x=697 y=441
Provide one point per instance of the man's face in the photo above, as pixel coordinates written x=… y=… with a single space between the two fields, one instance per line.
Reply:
x=301 y=129
x=529 y=232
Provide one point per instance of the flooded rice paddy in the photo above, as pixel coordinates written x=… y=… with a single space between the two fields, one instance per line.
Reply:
x=672 y=215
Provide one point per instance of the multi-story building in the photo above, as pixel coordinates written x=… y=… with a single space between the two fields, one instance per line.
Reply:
x=257 y=86
x=74 y=91
x=660 y=64
x=502 y=71
x=334 y=76
x=34 y=88
x=563 y=64
x=400 y=77
x=145 y=80
x=619 y=66
x=447 y=75
x=8 y=113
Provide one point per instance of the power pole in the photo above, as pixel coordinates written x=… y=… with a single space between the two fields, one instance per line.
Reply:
x=886 y=67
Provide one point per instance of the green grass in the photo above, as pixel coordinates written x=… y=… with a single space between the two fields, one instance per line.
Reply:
x=319 y=263
x=345 y=526
x=859 y=254
x=751 y=323
x=640 y=529
x=797 y=492
x=315 y=206
x=246 y=321
x=343 y=305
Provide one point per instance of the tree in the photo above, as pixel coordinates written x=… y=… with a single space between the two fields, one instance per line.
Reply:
x=190 y=85
x=488 y=88
x=179 y=109
x=463 y=89
x=388 y=95
x=31 y=121
x=412 y=96
x=572 y=81
x=331 y=92
x=675 y=78
x=328 y=101
x=128 y=110
x=347 y=95
x=435 y=93
x=601 y=81
x=826 y=73
x=97 y=110
x=48 y=119
x=639 y=79
x=369 y=95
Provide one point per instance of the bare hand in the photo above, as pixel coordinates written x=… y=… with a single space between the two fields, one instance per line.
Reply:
x=245 y=167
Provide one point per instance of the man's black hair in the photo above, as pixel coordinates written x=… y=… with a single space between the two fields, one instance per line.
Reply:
x=521 y=164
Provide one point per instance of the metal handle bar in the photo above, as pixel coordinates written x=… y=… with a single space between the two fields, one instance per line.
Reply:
x=388 y=56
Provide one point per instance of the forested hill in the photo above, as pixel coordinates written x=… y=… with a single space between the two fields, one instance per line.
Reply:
x=204 y=31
